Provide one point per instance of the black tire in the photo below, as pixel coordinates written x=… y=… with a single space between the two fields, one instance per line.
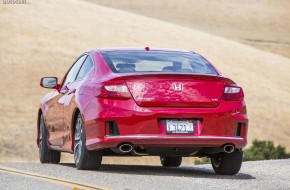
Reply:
x=170 y=161
x=84 y=159
x=227 y=163
x=45 y=154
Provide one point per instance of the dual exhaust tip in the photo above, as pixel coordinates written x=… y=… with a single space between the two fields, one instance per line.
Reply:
x=123 y=148
x=229 y=148
x=127 y=148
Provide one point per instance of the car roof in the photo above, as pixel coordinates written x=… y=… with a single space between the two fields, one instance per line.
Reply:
x=137 y=49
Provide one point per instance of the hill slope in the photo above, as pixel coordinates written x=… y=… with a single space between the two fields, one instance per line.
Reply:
x=43 y=38
x=264 y=24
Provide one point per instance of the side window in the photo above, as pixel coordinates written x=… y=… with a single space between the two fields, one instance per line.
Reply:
x=71 y=76
x=87 y=66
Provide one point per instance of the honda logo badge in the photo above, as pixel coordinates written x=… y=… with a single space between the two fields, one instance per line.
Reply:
x=178 y=86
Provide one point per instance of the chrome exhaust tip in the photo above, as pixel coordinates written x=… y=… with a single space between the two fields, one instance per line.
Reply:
x=229 y=148
x=125 y=148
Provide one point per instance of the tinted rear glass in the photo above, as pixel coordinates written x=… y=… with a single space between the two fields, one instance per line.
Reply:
x=155 y=61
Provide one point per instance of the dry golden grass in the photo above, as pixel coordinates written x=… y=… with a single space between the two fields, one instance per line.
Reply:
x=264 y=24
x=43 y=38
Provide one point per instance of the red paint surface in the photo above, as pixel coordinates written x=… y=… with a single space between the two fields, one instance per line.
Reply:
x=141 y=118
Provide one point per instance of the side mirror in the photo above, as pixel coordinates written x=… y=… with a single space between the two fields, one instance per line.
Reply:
x=49 y=82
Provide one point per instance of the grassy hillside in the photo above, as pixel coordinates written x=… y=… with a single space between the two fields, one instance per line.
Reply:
x=264 y=24
x=43 y=38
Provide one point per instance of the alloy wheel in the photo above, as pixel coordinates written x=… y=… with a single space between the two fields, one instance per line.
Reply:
x=40 y=135
x=78 y=140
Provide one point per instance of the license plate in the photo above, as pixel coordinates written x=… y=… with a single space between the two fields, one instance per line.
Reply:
x=174 y=126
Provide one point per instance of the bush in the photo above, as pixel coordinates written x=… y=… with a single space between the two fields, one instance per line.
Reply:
x=265 y=150
x=259 y=150
x=203 y=160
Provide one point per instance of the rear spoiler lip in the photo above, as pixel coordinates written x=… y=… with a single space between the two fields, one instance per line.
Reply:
x=161 y=75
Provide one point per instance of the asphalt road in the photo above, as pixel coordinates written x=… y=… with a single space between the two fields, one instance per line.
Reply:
x=253 y=175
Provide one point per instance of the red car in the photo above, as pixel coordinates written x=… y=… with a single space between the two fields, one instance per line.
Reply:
x=143 y=102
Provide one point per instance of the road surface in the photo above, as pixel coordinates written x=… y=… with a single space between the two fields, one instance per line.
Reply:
x=274 y=174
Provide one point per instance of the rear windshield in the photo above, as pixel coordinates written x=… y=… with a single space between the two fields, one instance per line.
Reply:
x=155 y=61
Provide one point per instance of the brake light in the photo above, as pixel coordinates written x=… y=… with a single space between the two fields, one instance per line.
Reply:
x=233 y=93
x=115 y=90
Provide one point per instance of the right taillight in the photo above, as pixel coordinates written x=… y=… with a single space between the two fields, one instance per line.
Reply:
x=114 y=90
x=233 y=93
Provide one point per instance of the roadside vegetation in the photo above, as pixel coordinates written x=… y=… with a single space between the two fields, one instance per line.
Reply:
x=259 y=150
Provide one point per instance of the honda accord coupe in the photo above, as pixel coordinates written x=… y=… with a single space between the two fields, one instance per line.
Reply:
x=143 y=102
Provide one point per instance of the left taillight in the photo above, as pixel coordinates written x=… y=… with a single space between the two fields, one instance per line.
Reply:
x=233 y=93
x=114 y=90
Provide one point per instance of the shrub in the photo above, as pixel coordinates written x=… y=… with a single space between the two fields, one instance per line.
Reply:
x=203 y=160
x=265 y=150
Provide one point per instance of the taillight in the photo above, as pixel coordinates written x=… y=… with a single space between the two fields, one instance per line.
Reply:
x=114 y=90
x=233 y=93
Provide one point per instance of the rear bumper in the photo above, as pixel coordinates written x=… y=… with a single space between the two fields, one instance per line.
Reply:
x=165 y=141
x=144 y=126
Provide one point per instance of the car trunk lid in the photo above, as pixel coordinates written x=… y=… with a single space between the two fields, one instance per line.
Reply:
x=175 y=90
